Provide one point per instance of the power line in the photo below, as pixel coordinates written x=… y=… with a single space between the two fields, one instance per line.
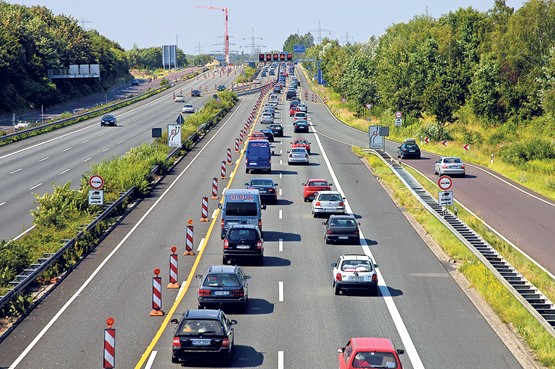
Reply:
x=253 y=44
x=319 y=30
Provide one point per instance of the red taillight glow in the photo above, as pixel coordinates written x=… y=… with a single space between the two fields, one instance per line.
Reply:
x=260 y=224
x=338 y=277
x=238 y=293
x=329 y=231
x=271 y=190
x=226 y=244
x=259 y=245
x=225 y=342
x=341 y=203
x=317 y=203
x=176 y=342
x=356 y=232
x=203 y=292
x=375 y=277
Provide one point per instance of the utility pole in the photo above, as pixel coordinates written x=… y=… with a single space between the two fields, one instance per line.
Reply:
x=83 y=21
x=253 y=44
x=346 y=38
x=319 y=30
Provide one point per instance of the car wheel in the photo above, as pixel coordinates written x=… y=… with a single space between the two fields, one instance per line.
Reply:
x=261 y=260
x=315 y=215
x=336 y=289
x=175 y=360
x=374 y=290
x=326 y=240
x=224 y=259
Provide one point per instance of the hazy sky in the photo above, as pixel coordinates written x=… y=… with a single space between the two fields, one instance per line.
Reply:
x=155 y=23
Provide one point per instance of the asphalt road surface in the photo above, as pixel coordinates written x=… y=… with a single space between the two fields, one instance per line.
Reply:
x=293 y=319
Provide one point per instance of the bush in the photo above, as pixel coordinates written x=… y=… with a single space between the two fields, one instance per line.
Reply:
x=13 y=259
x=435 y=131
x=518 y=153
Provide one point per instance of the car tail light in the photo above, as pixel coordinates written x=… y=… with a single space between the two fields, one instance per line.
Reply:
x=226 y=244
x=271 y=189
x=222 y=223
x=176 y=342
x=329 y=231
x=341 y=203
x=259 y=245
x=225 y=342
x=203 y=292
x=356 y=232
x=338 y=277
x=375 y=277
x=246 y=161
x=317 y=203
x=306 y=156
x=444 y=166
x=238 y=293
x=462 y=166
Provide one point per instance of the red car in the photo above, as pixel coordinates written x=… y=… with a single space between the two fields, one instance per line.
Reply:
x=301 y=142
x=257 y=136
x=369 y=352
x=312 y=186
x=293 y=110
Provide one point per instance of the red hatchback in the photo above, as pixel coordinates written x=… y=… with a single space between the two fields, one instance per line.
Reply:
x=369 y=352
x=293 y=110
x=301 y=142
x=312 y=186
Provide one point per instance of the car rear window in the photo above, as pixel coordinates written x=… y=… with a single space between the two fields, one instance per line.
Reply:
x=242 y=235
x=452 y=160
x=317 y=183
x=329 y=197
x=241 y=208
x=356 y=265
x=196 y=326
x=347 y=223
x=221 y=280
x=261 y=182
x=374 y=360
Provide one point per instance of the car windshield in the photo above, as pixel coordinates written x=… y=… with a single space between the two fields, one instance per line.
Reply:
x=261 y=182
x=356 y=265
x=242 y=235
x=221 y=280
x=329 y=197
x=193 y=327
x=374 y=360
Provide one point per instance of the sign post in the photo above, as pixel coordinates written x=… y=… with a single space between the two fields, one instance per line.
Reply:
x=445 y=197
x=96 y=195
x=174 y=135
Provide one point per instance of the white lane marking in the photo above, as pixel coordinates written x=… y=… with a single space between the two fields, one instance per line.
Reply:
x=410 y=349
x=280 y=291
x=122 y=141
x=151 y=359
x=280 y=214
x=280 y=192
x=280 y=162
x=180 y=289
x=85 y=141
x=280 y=152
x=100 y=135
x=64 y=171
x=214 y=213
x=281 y=175
x=2 y=203
x=15 y=171
x=280 y=243
x=87 y=159
x=134 y=135
x=46 y=158
x=85 y=284
x=67 y=149
x=280 y=360
x=201 y=244
x=106 y=149
x=35 y=186
x=237 y=162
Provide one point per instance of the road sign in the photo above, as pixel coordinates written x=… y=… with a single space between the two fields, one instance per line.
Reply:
x=445 y=198
x=375 y=137
x=174 y=135
x=180 y=119
x=427 y=139
x=368 y=106
x=445 y=182
x=398 y=115
x=96 y=197
x=96 y=182
x=299 y=48
x=466 y=147
x=398 y=122
x=444 y=142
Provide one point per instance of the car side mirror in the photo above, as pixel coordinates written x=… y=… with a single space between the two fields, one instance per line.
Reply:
x=233 y=322
x=340 y=350
x=333 y=265
x=303 y=184
x=263 y=206
x=400 y=351
x=219 y=206
x=275 y=184
x=247 y=277
x=174 y=321
x=246 y=184
x=324 y=223
x=198 y=276
x=331 y=184
x=375 y=265
x=358 y=223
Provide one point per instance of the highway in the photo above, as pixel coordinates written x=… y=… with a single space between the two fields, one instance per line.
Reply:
x=30 y=166
x=293 y=320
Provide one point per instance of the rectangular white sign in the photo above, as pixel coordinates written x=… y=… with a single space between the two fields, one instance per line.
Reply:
x=96 y=197
x=376 y=139
x=174 y=135
x=445 y=198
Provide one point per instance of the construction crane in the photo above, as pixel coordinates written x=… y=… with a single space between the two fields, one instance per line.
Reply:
x=226 y=18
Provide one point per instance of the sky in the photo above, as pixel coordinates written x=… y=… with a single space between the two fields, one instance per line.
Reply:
x=130 y=22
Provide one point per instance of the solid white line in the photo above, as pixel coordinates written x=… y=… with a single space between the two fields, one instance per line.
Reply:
x=280 y=214
x=87 y=159
x=67 y=149
x=280 y=360
x=15 y=171
x=410 y=349
x=280 y=290
x=106 y=149
x=35 y=186
x=64 y=171
x=201 y=244
x=43 y=159
x=77 y=293
x=151 y=359
x=280 y=243
x=2 y=203
x=280 y=192
x=214 y=213
x=122 y=141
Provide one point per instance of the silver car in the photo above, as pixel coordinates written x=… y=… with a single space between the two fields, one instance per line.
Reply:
x=328 y=202
x=449 y=165
x=303 y=108
x=298 y=155
x=188 y=108
x=267 y=118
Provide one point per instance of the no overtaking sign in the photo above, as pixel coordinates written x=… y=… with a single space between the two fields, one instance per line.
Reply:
x=96 y=182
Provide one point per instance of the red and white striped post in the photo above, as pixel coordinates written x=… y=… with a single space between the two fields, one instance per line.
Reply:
x=109 y=358
x=241 y=136
x=236 y=145
x=223 y=171
x=215 y=188
x=229 y=159
x=204 y=215
x=246 y=127
x=173 y=269
x=189 y=239
x=156 y=294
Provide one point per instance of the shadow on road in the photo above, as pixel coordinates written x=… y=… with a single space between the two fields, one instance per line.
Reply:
x=274 y=261
x=243 y=357
x=285 y=236
x=259 y=307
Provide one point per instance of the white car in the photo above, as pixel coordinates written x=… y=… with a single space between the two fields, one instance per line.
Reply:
x=328 y=202
x=303 y=108
x=355 y=271
x=179 y=98
x=298 y=155
x=256 y=81
x=188 y=108
x=449 y=165
x=300 y=115
x=267 y=118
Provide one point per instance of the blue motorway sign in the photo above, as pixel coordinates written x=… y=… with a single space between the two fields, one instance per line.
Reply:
x=299 y=48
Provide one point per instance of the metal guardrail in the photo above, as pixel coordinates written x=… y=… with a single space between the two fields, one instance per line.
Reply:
x=30 y=274
x=539 y=306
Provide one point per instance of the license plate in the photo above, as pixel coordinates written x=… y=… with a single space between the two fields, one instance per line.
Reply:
x=353 y=278
x=221 y=293
x=343 y=237
x=262 y=191
x=200 y=342
x=243 y=247
x=253 y=164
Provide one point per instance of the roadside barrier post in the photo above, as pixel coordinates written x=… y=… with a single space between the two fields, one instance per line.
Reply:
x=189 y=239
x=236 y=145
x=229 y=159
x=156 y=294
x=204 y=215
x=173 y=269
x=109 y=359
x=215 y=188
x=241 y=136
x=223 y=171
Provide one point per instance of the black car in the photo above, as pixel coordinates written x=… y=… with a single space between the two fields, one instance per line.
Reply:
x=135 y=82
x=203 y=334
x=243 y=240
x=269 y=134
x=277 y=128
x=195 y=93
x=409 y=149
x=266 y=187
x=221 y=88
x=109 y=119
x=300 y=126
x=223 y=285
x=290 y=94
x=341 y=228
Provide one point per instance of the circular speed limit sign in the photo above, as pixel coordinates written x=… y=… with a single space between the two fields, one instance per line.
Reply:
x=445 y=182
x=96 y=182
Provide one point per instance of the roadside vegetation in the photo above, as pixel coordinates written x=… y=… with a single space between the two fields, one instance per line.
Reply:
x=247 y=75
x=62 y=213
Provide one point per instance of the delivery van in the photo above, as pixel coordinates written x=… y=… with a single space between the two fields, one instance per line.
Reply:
x=241 y=206
x=258 y=156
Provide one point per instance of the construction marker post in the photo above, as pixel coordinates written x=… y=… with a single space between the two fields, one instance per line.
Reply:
x=189 y=239
x=109 y=357
x=229 y=158
x=156 y=294
x=241 y=136
x=236 y=145
x=173 y=269
x=223 y=170
x=204 y=214
x=215 y=188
